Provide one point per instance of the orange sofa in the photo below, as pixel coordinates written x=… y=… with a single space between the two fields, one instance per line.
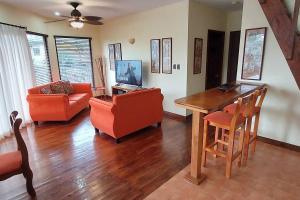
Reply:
x=127 y=113
x=58 y=107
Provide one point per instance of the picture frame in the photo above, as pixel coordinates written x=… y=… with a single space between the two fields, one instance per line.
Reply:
x=155 y=55
x=118 y=51
x=111 y=50
x=167 y=55
x=198 y=46
x=254 y=47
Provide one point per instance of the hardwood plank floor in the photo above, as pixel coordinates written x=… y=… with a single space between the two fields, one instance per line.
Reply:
x=70 y=162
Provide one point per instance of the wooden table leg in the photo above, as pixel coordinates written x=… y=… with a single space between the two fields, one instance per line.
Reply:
x=195 y=175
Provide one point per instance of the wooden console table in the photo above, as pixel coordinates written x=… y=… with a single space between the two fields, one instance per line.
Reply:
x=120 y=89
x=204 y=103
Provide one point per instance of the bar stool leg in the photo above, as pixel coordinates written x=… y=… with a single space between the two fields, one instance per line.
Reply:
x=255 y=131
x=205 y=132
x=247 y=140
x=241 y=144
x=229 y=153
x=216 y=140
x=223 y=138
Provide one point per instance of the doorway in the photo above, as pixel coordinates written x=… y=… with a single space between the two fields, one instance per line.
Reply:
x=214 y=61
x=233 y=55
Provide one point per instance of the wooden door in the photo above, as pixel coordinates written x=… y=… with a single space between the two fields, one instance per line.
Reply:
x=233 y=55
x=214 y=61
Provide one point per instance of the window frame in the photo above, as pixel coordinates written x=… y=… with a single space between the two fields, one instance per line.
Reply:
x=45 y=37
x=91 y=54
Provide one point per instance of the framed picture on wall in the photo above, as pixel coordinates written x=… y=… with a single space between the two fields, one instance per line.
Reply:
x=167 y=55
x=118 y=51
x=198 y=45
x=111 y=49
x=155 y=55
x=253 y=53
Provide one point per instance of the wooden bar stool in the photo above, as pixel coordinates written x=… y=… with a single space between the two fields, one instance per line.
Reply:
x=252 y=111
x=227 y=122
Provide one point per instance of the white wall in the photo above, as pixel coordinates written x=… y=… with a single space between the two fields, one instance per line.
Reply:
x=233 y=23
x=201 y=18
x=166 y=21
x=280 y=115
x=12 y=15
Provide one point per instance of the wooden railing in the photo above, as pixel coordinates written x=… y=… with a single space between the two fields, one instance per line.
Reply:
x=285 y=28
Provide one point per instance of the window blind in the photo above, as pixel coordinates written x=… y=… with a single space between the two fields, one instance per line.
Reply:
x=74 y=59
x=40 y=58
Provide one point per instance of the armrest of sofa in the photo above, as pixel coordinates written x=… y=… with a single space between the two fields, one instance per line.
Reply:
x=44 y=103
x=100 y=104
x=101 y=115
x=82 y=88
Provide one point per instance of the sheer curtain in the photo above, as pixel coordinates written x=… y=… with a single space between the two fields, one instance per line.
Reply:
x=16 y=75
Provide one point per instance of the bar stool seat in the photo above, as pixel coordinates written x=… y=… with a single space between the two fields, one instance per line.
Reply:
x=10 y=162
x=223 y=119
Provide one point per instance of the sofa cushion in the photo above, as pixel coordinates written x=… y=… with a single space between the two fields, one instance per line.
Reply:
x=57 y=88
x=79 y=96
x=10 y=162
x=46 y=90
x=67 y=87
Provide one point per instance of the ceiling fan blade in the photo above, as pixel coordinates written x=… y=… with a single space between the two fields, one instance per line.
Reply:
x=65 y=16
x=92 y=18
x=94 y=22
x=58 y=20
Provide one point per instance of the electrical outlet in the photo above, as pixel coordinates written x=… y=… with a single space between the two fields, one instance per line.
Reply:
x=178 y=66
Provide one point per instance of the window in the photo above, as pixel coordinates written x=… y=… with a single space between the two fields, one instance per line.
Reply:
x=40 y=57
x=74 y=59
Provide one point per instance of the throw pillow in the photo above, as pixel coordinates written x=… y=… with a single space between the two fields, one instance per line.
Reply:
x=46 y=90
x=57 y=88
x=68 y=87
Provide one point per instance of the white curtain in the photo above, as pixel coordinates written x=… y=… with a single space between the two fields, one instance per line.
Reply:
x=16 y=75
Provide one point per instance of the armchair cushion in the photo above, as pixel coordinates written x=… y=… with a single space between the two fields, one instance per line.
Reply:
x=10 y=162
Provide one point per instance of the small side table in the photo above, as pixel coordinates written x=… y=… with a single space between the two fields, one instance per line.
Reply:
x=100 y=89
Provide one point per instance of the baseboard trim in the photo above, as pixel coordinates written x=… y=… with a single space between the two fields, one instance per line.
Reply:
x=177 y=117
x=279 y=143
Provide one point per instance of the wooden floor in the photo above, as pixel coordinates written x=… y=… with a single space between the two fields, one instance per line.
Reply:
x=70 y=162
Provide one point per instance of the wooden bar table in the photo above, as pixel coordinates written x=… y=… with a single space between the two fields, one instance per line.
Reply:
x=201 y=104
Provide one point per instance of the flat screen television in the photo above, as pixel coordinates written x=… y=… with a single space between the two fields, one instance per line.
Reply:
x=129 y=72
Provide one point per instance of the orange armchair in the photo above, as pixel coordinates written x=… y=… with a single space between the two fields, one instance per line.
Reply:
x=127 y=113
x=58 y=107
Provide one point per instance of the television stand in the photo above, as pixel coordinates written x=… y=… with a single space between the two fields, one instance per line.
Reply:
x=122 y=89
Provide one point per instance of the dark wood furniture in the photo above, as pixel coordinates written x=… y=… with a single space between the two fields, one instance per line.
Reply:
x=121 y=89
x=24 y=168
x=204 y=103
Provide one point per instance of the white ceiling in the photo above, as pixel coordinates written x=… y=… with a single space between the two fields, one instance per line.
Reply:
x=105 y=8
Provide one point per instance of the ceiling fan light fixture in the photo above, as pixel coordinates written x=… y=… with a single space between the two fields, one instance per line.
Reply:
x=78 y=24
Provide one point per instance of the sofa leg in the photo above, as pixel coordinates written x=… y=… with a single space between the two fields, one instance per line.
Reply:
x=96 y=131
x=158 y=124
x=36 y=123
x=117 y=140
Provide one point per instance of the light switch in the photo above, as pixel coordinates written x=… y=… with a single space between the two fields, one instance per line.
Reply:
x=178 y=66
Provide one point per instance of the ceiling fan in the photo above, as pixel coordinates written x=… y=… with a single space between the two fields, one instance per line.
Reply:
x=76 y=20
